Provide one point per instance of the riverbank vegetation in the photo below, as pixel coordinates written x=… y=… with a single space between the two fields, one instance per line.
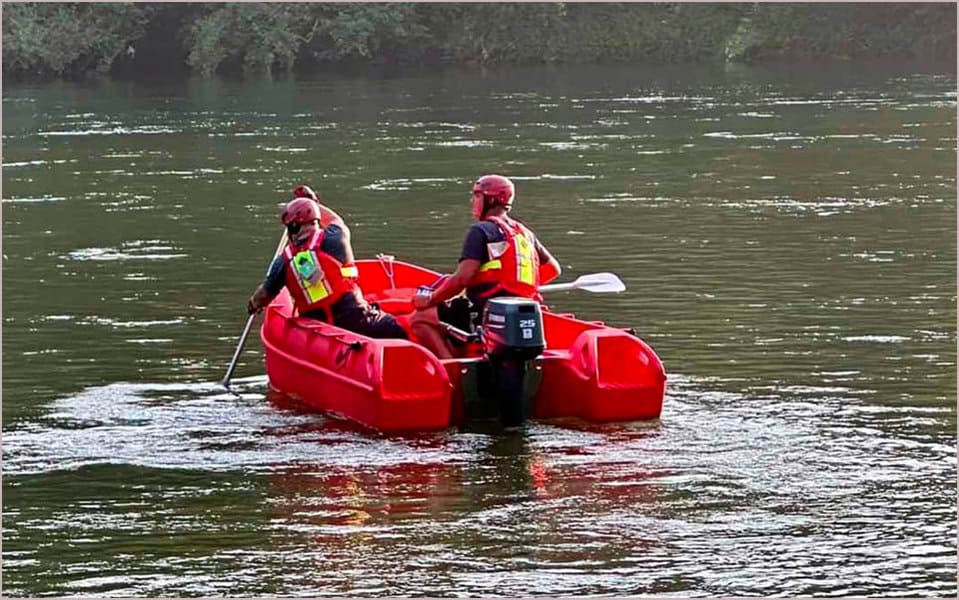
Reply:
x=133 y=40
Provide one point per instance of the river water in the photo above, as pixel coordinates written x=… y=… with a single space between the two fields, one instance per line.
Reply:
x=787 y=236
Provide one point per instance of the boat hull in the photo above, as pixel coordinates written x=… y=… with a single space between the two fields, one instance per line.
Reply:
x=589 y=370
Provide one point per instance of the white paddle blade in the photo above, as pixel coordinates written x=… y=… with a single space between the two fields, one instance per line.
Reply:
x=600 y=283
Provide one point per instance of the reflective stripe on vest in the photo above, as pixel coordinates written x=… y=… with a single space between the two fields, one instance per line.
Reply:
x=315 y=278
x=308 y=272
x=524 y=260
x=516 y=253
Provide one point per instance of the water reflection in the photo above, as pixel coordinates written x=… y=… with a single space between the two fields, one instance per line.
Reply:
x=600 y=508
x=788 y=242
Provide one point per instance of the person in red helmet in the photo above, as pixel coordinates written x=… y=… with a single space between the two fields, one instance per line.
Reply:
x=500 y=257
x=327 y=215
x=316 y=266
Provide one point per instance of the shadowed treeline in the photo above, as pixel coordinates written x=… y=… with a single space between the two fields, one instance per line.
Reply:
x=73 y=40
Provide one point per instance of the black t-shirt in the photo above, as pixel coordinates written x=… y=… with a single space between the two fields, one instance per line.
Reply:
x=332 y=244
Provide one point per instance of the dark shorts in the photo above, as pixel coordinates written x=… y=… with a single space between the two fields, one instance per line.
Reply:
x=372 y=322
x=460 y=313
x=364 y=319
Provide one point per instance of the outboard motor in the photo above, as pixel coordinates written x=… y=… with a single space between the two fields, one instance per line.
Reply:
x=513 y=327
x=512 y=334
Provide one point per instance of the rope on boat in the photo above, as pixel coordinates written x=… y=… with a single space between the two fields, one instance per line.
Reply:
x=386 y=261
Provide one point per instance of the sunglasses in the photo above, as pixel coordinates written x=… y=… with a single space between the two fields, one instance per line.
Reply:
x=294 y=228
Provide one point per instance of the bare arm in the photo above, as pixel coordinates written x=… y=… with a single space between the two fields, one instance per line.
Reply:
x=328 y=215
x=549 y=268
x=271 y=286
x=454 y=284
x=258 y=300
x=347 y=244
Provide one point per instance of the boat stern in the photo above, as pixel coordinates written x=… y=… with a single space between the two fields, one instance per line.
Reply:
x=605 y=375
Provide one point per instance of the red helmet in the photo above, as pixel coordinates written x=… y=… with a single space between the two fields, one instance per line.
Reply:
x=304 y=191
x=300 y=211
x=496 y=189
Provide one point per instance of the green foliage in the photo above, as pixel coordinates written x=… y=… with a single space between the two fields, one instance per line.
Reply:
x=503 y=33
x=260 y=36
x=263 y=38
x=661 y=32
x=846 y=31
x=366 y=31
x=68 y=38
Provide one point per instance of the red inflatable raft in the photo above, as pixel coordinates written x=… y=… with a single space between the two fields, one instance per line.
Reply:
x=587 y=370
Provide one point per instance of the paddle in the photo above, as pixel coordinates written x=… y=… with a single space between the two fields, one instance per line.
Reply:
x=598 y=283
x=225 y=382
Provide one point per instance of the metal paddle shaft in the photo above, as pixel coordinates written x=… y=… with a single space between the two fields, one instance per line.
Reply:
x=225 y=382
x=598 y=283
x=239 y=348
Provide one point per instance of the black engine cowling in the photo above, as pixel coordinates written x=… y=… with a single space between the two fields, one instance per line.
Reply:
x=513 y=328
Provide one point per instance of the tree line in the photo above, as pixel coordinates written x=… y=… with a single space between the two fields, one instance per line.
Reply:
x=79 y=39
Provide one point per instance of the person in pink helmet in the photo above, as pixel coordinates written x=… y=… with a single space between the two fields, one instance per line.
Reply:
x=500 y=257
x=327 y=215
x=317 y=268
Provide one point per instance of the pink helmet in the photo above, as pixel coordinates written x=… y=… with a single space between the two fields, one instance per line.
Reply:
x=496 y=189
x=304 y=191
x=299 y=211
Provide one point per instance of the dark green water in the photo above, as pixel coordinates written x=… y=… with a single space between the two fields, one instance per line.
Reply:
x=787 y=236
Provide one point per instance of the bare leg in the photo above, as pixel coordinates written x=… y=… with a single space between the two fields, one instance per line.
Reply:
x=426 y=326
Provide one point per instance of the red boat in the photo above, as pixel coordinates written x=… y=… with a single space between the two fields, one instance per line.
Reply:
x=582 y=369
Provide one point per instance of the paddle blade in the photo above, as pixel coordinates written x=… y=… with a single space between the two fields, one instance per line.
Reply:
x=600 y=283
